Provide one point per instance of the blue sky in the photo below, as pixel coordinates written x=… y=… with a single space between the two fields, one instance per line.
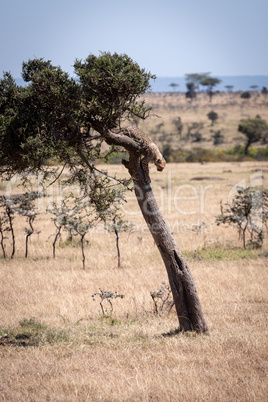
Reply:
x=168 y=37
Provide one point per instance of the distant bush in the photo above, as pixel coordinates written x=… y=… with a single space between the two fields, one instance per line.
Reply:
x=245 y=95
x=218 y=137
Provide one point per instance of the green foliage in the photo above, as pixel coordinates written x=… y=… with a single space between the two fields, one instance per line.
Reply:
x=111 y=85
x=191 y=90
x=245 y=95
x=32 y=332
x=35 y=120
x=232 y=154
x=255 y=130
x=213 y=116
x=210 y=83
x=221 y=253
x=52 y=117
x=196 y=78
x=55 y=117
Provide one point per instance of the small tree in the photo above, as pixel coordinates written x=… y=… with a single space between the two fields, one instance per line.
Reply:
x=213 y=116
x=245 y=95
x=179 y=125
x=218 y=137
x=254 y=87
x=229 y=88
x=191 y=90
x=255 y=130
x=195 y=79
x=60 y=221
x=174 y=86
x=77 y=217
x=118 y=225
x=25 y=206
x=210 y=83
x=193 y=131
x=245 y=212
x=107 y=295
x=162 y=299
x=6 y=222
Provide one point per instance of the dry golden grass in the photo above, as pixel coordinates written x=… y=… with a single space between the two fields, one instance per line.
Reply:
x=132 y=356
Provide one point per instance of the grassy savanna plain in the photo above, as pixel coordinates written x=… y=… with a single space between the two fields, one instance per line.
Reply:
x=230 y=108
x=56 y=345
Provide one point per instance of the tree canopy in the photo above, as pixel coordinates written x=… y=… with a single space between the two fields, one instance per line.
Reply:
x=210 y=83
x=255 y=130
x=59 y=117
x=39 y=121
x=65 y=119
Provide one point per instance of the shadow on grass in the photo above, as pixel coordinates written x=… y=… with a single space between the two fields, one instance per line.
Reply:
x=171 y=333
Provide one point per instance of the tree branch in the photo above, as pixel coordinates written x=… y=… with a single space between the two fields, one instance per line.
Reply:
x=122 y=140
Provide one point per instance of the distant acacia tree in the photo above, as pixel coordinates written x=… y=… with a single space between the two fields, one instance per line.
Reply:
x=229 y=87
x=213 y=116
x=255 y=130
x=174 y=85
x=210 y=83
x=191 y=90
x=196 y=79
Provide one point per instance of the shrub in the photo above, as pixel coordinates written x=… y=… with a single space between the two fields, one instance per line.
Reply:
x=247 y=211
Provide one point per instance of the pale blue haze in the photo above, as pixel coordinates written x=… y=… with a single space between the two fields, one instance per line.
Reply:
x=170 y=38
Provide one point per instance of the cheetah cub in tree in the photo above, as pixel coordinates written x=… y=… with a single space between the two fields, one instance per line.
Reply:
x=150 y=150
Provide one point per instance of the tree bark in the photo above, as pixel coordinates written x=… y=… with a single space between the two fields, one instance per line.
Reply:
x=82 y=249
x=184 y=292
x=117 y=247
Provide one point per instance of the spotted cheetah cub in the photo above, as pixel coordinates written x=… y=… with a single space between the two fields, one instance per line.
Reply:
x=150 y=150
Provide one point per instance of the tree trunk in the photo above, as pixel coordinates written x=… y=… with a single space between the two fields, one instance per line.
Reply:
x=82 y=249
x=247 y=147
x=185 y=296
x=55 y=241
x=117 y=247
x=2 y=243
x=9 y=214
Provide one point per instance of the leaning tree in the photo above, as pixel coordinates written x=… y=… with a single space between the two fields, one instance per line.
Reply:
x=255 y=130
x=58 y=117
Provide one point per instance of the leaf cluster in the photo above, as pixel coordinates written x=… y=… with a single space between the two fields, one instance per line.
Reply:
x=54 y=116
x=254 y=129
x=111 y=85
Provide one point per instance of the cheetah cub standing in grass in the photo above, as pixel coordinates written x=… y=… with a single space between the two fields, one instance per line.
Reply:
x=150 y=150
